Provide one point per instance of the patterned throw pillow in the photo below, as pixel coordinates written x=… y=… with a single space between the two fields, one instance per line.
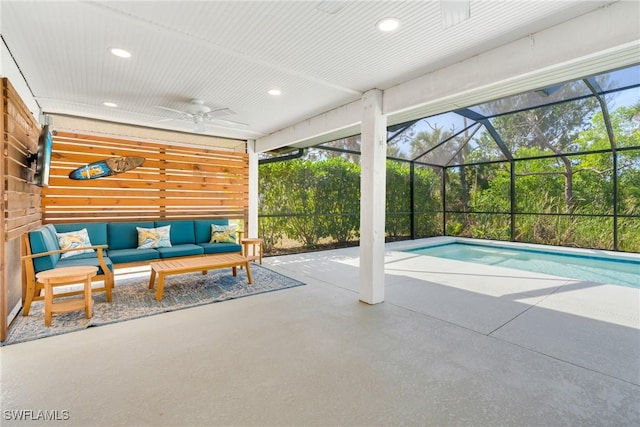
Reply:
x=223 y=234
x=74 y=239
x=154 y=237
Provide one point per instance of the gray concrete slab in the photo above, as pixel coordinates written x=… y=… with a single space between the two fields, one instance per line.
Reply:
x=315 y=355
x=591 y=325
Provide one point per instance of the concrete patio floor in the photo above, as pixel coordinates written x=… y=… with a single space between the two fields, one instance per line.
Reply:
x=453 y=344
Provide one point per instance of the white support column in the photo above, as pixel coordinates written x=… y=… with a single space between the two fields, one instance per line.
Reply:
x=372 y=197
x=253 y=189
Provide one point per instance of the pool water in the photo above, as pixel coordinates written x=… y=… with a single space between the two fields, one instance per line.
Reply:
x=624 y=272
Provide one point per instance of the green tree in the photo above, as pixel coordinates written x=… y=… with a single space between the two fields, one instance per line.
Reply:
x=338 y=198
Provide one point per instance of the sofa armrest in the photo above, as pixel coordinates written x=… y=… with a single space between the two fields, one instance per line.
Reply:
x=98 y=248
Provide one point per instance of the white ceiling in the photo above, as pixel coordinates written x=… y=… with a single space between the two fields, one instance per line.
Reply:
x=320 y=54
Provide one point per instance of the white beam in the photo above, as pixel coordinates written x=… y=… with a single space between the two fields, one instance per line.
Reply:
x=347 y=116
x=372 y=198
x=599 y=41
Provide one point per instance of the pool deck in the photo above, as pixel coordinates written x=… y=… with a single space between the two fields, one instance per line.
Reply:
x=453 y=344
x=592 y=325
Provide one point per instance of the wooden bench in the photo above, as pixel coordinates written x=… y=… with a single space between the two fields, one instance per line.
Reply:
x=190 y=265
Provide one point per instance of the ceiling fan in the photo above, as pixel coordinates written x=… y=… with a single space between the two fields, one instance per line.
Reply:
x=199 y=113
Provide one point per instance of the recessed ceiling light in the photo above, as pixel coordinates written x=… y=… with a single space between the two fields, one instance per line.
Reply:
x=274 y=92
x=388 y=24
x=120 y=52
x=110 y=104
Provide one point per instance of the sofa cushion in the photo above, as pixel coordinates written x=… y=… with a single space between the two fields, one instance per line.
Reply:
x=76 y=261
x=123 y=235
x=97 y=230
x=41 y=240
x=203 y=228
x=49 y=228
x=182 y=232
x=92 y=254
x=120 y=256
x=220 y=248
x=180 y=250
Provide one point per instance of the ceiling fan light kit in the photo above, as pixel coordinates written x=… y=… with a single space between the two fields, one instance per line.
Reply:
x=197 y=106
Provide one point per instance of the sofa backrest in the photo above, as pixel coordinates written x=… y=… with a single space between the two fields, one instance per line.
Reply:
x=181 y=232
x=97 y=230
x=41 y=240
x=124 y=235
x=203 y=228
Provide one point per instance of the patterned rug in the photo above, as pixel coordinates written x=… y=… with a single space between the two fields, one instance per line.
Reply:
x=132 y=299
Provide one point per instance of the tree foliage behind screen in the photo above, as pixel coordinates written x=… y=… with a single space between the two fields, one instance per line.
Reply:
x=575 y=167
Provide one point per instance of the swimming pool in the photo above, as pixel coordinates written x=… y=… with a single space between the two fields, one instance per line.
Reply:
x=618 y=271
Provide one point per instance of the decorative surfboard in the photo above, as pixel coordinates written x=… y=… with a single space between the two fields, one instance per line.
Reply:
x=107 y=167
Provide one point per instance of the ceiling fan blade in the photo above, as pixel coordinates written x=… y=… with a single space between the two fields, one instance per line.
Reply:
x=200 y=116
x=175 y=111
x=220 y=112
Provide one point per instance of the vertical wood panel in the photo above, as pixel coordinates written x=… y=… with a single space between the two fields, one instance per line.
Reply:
x=4 y=303
x=20 y=208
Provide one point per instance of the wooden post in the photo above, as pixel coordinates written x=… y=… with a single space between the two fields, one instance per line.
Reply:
x=162 y=205
x=4 y=310
x=253 y=190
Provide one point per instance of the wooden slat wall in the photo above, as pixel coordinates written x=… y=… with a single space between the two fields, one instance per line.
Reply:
x=174 y=182
x=20 y=208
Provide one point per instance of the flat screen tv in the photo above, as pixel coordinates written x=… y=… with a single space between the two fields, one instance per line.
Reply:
x=42 y=157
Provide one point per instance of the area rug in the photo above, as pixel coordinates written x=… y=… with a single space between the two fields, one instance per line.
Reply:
x=133 y=299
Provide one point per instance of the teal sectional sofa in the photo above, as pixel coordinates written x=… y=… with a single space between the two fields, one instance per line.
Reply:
x=115 y=244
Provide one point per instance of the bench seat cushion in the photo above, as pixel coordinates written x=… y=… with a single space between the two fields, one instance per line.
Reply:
x=77 y=261
x=180 y=250
x=88 y=255
x=220 y=248
x=123 y=256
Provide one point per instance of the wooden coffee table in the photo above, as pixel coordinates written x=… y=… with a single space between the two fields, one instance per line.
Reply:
x=190 y=265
